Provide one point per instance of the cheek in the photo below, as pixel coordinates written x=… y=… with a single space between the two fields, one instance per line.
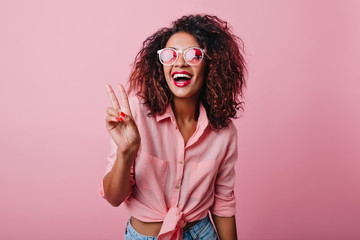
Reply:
x=166 y=71
x=201 y=71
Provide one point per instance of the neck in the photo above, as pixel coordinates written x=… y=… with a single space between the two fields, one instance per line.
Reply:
x=186 y=110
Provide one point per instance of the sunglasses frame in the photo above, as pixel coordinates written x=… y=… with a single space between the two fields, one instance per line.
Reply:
x=178 y=51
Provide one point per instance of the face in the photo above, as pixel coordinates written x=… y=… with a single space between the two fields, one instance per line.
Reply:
x=192 y=87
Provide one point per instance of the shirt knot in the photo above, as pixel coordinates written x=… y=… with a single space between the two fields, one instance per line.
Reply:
x=172 y=227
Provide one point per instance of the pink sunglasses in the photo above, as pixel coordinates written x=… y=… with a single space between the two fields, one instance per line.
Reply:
x=192 y=55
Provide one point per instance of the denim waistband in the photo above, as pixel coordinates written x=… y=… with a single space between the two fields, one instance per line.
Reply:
x=198 y=227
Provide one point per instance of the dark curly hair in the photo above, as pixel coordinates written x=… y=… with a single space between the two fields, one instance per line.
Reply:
x=224 y=78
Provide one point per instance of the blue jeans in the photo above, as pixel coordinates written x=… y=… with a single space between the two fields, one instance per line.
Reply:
x=202 y=230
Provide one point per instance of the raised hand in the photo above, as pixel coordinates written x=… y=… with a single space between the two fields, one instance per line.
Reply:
x=120 y=123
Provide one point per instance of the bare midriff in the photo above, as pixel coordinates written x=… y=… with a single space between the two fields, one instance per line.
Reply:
x=152 y=228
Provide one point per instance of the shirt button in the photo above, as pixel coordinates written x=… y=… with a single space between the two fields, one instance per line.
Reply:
x=181 y=162
x=177 y=186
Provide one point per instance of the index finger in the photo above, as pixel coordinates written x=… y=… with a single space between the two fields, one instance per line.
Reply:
x=112 y=96
x=124 y=101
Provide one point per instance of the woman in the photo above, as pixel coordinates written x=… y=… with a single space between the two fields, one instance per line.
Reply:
x=173 y=145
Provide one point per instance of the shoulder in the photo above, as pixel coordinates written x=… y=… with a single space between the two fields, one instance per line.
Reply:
x=232 y=134
x=226 y=137
x=136 y=101
x=136 y=105
x=228 y=132
x=232 y=129
x=133 y=102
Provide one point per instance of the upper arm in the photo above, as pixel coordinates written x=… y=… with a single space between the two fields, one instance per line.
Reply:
x=224 y=200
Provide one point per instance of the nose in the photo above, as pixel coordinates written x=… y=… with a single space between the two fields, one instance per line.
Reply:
x=180 y=61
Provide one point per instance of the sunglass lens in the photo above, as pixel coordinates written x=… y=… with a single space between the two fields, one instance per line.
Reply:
x=193 y=56
x=168 y=56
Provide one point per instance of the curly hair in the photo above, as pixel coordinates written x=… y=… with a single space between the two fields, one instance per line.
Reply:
x=224 y=75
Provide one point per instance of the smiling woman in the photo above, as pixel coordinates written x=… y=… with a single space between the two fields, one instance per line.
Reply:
x=225 y=68
x=173 y=145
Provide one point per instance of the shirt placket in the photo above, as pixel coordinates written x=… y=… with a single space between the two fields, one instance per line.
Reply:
x=180 y=160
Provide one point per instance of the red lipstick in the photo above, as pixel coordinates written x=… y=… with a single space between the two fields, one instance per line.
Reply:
x=181 y=74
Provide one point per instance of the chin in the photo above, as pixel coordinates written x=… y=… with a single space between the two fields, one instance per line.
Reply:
x=184 y=92
x=183 y=95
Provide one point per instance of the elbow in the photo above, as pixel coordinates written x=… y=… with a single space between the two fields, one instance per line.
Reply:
x=114 y=201
x=115 y=195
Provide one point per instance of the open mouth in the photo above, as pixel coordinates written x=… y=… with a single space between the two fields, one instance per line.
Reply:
x=181 y=79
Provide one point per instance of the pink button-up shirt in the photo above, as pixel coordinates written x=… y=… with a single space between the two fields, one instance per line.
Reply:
x=177 y=183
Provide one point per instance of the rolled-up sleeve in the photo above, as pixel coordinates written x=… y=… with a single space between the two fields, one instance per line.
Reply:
x=111 y=160
x=224 y=200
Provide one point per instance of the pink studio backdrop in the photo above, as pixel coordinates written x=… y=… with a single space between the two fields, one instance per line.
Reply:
x=298 y=167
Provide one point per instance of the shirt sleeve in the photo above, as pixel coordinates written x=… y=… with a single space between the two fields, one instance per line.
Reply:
x=111 y=158
x=224 y=200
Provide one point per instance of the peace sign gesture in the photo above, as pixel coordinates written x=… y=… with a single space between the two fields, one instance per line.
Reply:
x=120 y=123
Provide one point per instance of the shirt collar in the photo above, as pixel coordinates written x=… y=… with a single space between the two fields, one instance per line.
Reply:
x=203 y=120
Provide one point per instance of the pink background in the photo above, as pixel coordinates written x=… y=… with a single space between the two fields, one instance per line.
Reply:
x=299 y=157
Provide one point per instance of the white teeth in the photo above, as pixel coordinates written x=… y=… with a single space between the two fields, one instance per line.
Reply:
x=181 y=75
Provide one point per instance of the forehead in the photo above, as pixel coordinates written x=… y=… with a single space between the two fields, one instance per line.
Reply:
x=182 y=40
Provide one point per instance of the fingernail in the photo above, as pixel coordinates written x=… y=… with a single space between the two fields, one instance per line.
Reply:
x=117 y=119
x=121 y=119
x=123 y=114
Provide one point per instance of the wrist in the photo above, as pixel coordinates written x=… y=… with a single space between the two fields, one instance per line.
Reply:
x=128 y=154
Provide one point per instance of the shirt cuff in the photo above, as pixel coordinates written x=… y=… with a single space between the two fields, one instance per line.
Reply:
x=224 y=206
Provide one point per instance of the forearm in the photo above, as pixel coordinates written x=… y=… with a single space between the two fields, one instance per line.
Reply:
x=117 y=185
x=226 y=227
